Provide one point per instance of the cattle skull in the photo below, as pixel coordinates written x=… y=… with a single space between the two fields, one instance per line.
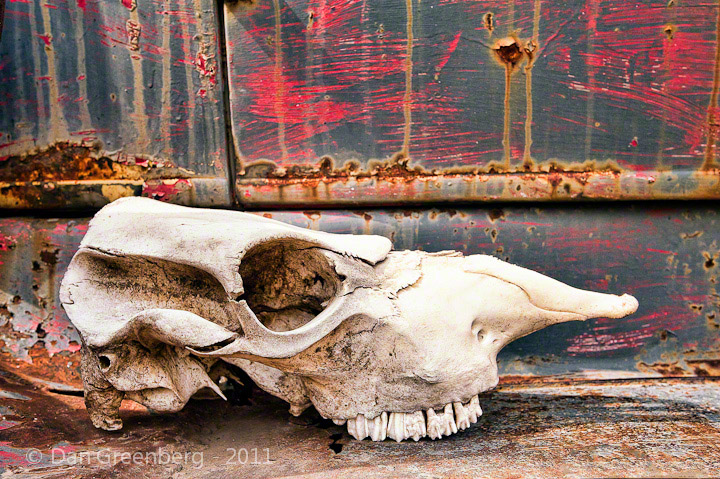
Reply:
x=393 y=344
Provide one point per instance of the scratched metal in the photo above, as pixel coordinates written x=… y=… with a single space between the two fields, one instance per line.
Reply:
x=102 y=99
x=350 y=101
x=643 y=428
x=667 y=256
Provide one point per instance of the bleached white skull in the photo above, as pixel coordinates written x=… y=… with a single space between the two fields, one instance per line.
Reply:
x=395 y=344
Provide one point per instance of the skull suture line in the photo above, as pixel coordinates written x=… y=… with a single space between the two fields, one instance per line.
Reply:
x=395 y=344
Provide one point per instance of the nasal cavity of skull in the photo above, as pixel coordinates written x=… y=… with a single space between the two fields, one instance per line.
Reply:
x=287 y=283
x=105 y=362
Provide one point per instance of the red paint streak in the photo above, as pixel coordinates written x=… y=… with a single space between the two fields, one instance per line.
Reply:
x=653 y=250
x=45 y=38
x=451 y=49
x=205 y=68
x=127 y=3
x=165 y=189
x=82 y=4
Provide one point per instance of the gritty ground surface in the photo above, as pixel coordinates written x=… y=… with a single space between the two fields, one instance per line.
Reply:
x=666 y=428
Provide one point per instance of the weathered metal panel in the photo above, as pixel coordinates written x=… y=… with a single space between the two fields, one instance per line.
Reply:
x=367 y=102
x=104 y=99
x=666 y=256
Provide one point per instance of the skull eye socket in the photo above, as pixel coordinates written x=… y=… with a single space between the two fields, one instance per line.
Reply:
x=288 y=283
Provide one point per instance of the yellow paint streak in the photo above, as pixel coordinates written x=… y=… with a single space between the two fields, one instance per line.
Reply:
x=527 y=157
x=58 y=126
x=712 y=120
x=141 y=120
x=165 y=107
x=407 y=100
x=279 y=82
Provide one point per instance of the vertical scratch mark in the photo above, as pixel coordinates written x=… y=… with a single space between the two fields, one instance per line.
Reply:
x=165 y=106
x=279 y=82
x=527 y=157
x=39 y=94
x=19 y=37
x=58 y=126
x=506 y=124
x=407 y=100
x=141 y=118
x=712 y=121
x=79 y=22
x=187 y=46
x=511 y=15
x=590 y=109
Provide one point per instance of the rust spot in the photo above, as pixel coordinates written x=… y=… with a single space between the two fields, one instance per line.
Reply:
x=496 y=214
x=242 y=4
x=697 y=307
x=669 y=30
x=705 y=367
x=5 y=312
x=509 y=51
x=49 y=257
x=489 y=22
x=665 y=369
x=709 y=260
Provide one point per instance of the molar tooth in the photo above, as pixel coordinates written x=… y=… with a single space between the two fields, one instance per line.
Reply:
x=378 y=427
x=339 y=422
x=415 y=425
x=474 y=409
x=448 y=419
x=361 y=426
x=434 y=425
x=461 y=416
x=357 y=427
x=396 y=426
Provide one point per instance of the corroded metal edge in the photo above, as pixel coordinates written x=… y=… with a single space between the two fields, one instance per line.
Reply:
x=514 y=187
x=203 y=192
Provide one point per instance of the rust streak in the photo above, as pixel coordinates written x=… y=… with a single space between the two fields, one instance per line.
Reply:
x=506 y=123
x=141 y=119
x=712 y=121
x=279 y=81
x=590 y=109
x=79 y=24
x=530 y=50
x=407 y=100
x=58 y=126
x=166 y=107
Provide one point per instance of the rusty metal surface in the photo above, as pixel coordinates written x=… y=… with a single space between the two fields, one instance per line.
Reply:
x=668 y=257
x=650 y=428
x=106 y=99
x=366 y=102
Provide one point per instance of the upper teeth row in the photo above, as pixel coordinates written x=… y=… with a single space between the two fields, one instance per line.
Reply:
x=401 y=425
